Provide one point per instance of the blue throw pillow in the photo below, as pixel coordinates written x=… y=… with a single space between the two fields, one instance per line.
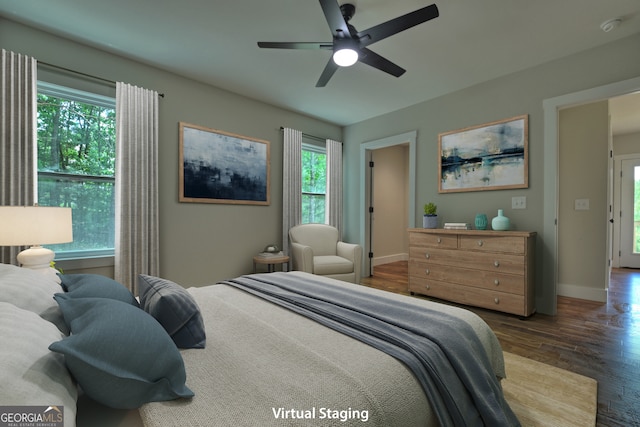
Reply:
x=175 y=309
x=118 y=354
x=96 y=286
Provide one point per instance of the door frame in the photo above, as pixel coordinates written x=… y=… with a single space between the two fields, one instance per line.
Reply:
x=551 y=107
x=409 y=138
x=617 y=205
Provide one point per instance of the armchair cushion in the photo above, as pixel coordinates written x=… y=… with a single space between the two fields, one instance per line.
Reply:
x=331 y=264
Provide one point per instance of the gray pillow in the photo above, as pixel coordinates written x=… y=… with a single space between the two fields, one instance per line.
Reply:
x=33 y=291
x=175 y=309
x=96 y=286
x=120 y=356
x=31 y=374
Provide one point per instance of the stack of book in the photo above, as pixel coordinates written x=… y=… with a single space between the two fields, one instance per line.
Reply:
x=271 y=254
x=456 y=226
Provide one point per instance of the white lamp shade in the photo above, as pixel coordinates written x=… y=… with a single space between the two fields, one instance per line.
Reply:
x=345 y=57
x=34 y=225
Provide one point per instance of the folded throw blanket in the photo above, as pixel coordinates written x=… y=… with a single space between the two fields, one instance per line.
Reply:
x=442 y=351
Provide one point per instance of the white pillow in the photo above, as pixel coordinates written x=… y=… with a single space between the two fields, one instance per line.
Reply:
x=32 y=291
x=31 y=374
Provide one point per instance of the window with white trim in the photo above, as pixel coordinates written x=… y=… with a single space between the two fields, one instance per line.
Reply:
x=76 y=165
x=314 y=183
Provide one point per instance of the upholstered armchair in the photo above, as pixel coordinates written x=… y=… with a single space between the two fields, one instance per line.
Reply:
x=315 y=249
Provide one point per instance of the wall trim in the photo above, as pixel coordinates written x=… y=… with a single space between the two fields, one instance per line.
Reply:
x=581 y=292
x=389 y=259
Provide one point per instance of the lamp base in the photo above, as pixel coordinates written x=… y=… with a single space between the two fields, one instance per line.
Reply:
x=38 y=259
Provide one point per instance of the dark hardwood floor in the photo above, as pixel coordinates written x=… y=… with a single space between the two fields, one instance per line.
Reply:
x=598 y=340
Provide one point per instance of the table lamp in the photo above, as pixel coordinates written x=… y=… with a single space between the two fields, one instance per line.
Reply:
x=35 y=226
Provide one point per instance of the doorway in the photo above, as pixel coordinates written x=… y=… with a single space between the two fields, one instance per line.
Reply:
x=367 y=151
x=629 y=241
x=550 y=201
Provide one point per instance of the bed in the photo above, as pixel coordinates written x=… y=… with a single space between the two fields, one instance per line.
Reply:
x=261 y=363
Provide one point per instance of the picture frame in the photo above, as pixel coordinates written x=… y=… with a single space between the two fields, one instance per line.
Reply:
x=223 y=167
x=490 y=156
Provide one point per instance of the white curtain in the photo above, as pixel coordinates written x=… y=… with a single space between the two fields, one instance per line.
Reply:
x=18 y=133
x=291 y=183
x=333 y=207
x=137 y=224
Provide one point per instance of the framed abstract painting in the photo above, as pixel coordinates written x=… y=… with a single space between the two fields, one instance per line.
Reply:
x=222 y=167
x=491 y=156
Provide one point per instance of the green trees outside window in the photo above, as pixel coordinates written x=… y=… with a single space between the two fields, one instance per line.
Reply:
x=314 y=185
x=76 y=168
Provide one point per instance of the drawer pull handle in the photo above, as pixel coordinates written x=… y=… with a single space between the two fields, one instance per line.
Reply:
x=496 y=282
x=496 y=263
x=428 y=287
x=427 y=256
x=427 y=271
x=497 y=300
x=480 y=243
x=439 y=240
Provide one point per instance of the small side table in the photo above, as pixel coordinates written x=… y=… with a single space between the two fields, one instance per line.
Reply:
x=271 y=262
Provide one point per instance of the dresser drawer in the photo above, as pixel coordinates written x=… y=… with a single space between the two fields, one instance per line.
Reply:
x=433 y=240
x=435 y=289
x=498 y=262
x=493 y=280
x=504 y=244
x=493 y=300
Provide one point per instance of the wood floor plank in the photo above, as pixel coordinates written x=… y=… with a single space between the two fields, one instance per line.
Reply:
x=597 y=340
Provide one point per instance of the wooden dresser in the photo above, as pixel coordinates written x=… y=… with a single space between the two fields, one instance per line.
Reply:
x=489 y=269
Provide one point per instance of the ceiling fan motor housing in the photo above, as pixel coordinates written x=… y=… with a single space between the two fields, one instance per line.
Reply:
x=348 y=10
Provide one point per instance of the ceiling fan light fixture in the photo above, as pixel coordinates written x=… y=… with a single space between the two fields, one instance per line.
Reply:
x=345 y=57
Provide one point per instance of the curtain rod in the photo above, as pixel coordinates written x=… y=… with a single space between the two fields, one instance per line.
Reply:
x=317 y=138
x=83 y=74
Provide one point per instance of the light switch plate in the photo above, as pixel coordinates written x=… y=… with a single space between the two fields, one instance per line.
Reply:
x=581 y=205
x=519 y=202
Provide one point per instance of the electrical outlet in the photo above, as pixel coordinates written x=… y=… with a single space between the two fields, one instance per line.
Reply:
x=519 y=202
x=581 y=205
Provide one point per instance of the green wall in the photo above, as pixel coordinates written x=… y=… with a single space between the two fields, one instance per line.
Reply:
x=205 y=243
x=200 y=243
x=509 y=96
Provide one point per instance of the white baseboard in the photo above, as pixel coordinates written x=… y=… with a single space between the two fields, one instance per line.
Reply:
x=389 y=258
x=581 y=292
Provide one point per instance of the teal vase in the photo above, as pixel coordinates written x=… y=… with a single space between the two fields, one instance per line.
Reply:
x=501 y=222
x=481 y=222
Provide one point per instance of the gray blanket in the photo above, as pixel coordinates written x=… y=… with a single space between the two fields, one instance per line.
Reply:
x=447 y=358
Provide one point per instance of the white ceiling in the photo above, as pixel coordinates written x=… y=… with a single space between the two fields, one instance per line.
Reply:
x=214 y=41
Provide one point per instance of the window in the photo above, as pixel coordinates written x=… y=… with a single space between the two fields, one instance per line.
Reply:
x=314 y=183
x=76 y=165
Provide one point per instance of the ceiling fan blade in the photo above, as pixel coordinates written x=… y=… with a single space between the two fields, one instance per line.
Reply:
x=334 y=18
x=296 y=45
x=327 y=73
x=397 y=25
x=376 y=61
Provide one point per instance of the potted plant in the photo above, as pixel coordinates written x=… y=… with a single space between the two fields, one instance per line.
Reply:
x=430 y=218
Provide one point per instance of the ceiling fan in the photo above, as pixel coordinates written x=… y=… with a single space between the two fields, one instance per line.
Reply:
x=350 y=45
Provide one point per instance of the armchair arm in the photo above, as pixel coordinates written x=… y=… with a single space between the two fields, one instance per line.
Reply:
x=352 y=252
x=348 y=250
x=302 y=257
